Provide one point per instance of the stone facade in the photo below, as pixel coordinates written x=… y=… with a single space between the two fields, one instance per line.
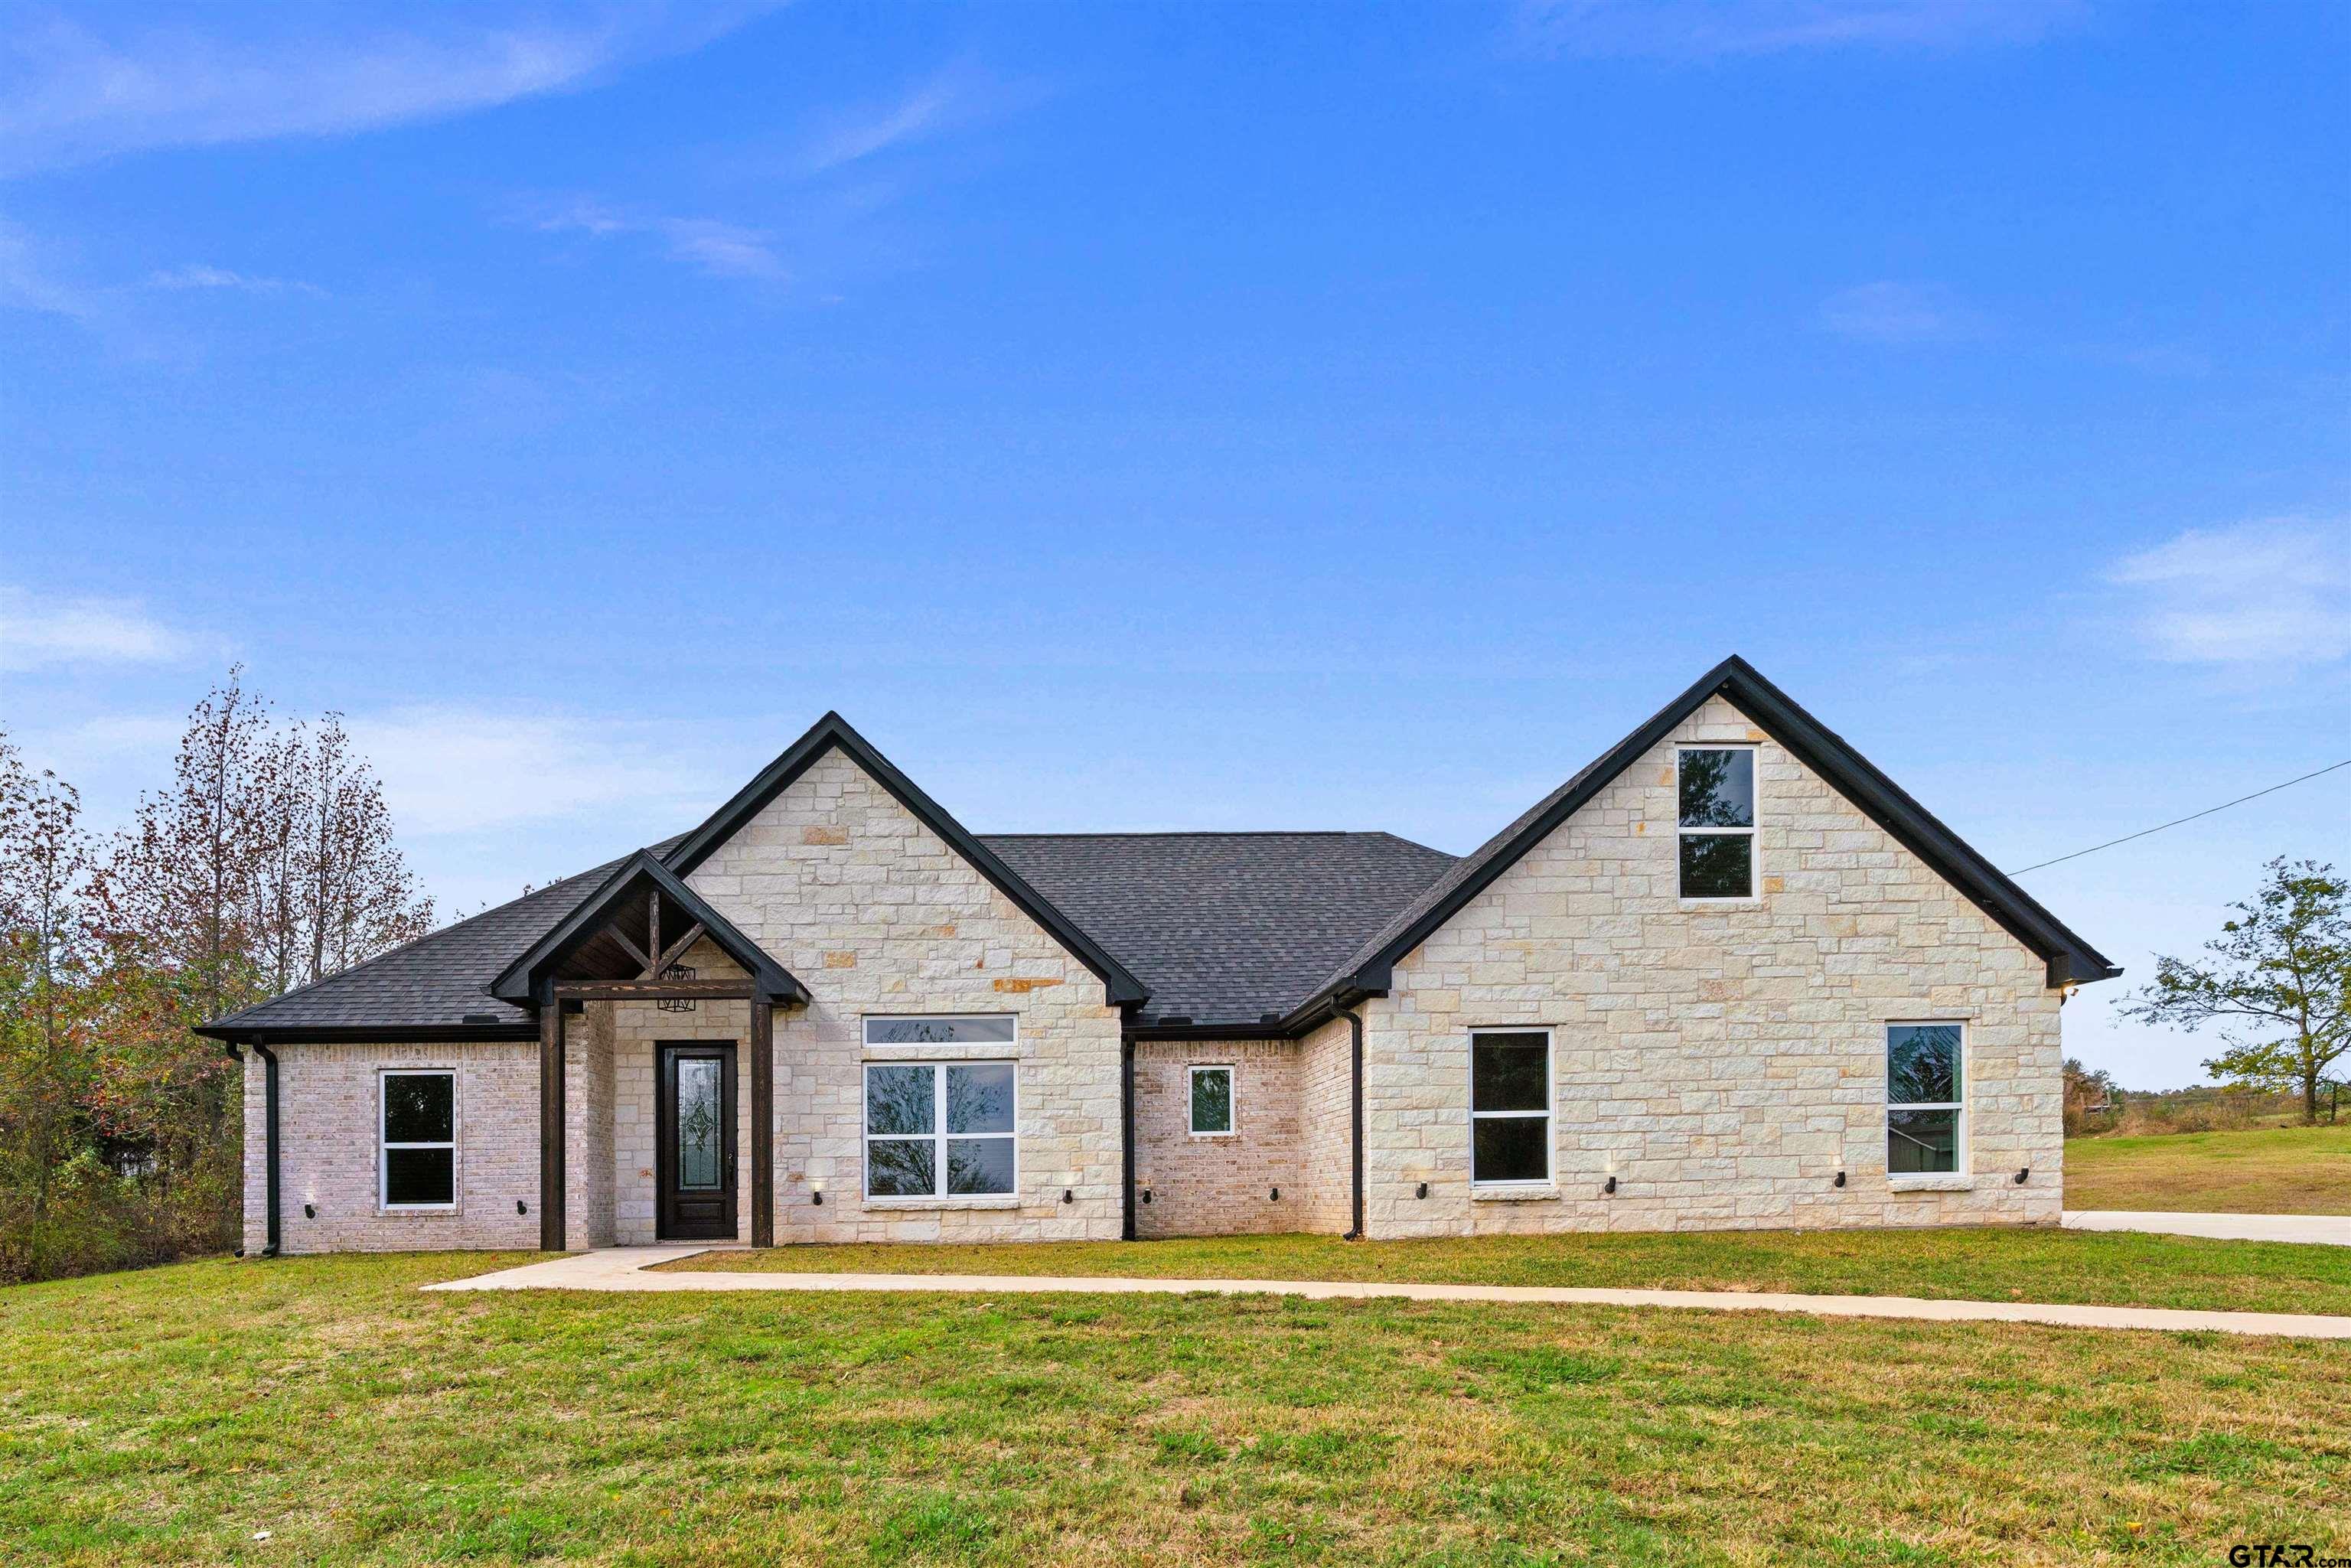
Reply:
x=1209 y=1185
x=876 y=913
x=1723 y=1061
x=328 y=1105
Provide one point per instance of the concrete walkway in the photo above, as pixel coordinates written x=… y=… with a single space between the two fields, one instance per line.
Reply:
x=624 y=1268
x=2324 y=1229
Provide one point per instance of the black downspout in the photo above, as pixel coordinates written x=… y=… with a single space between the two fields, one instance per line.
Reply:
x=1355 y=1029
x=269 y=1140
x=1127 y=1137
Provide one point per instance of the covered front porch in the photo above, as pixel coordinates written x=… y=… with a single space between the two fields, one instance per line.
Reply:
x=655 y=1014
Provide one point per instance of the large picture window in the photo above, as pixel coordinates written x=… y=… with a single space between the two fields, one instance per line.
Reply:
x=1509 y=1107
x=940 y=1129
x=1716 y=786
x=417 y=1139
x=1925 y=1105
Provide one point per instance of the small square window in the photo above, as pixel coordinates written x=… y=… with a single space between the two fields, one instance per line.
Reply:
x=1212 y=1101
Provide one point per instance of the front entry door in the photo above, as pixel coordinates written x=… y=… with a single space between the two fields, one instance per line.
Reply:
x=694 y=1139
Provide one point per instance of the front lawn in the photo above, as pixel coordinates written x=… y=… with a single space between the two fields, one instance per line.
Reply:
x=2268 y=1170
x=175 y=1416
x=2107 y=1268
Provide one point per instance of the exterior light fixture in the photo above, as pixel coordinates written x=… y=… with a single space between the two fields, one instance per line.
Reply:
x=1840 y=1180
x=1068 y=1195
x=521 y=1207
x=2022 y=1174
x=1147 y=1195
x=1274 y=1196
x=310 y=1211
x=677 y=1004
x=817 y=1197
x=1611 y=1187
x=1422 y=1191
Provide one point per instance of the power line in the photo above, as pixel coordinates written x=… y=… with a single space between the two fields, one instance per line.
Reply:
x=2207 y=811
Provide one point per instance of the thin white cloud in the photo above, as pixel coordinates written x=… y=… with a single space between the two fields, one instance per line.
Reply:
x=77 y=87
x=448 y=769
x=38 y=631
x=2275 y=593
x=1894 y=313
x=944 y=99
x=709 y=245
x=29 y=283
x=1705 y=29
x=196 y=276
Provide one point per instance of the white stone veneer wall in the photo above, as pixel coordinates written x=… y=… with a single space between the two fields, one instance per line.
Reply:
x=1724 y=1062
x=875 y=913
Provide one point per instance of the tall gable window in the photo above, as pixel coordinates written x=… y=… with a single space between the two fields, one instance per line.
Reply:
x=417 y=1159
x=1509 y=1107
x=1924 y=1103
x=1717 y=821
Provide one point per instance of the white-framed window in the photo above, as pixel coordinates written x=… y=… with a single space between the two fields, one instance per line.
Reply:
x=941 y=1129
x=1926 y=1105
x=416 y=1138
x=1212 y=1101
x=1715 y=787
x=942 y=1029
x=1509 y=1107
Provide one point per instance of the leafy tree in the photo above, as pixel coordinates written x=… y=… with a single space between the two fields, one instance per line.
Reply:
x=2276 y=988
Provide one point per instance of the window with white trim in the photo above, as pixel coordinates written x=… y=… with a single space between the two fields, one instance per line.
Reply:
x=1509 y=1106
x=416 y=1138
x=939 y=1028
x=1212 y=1101
x=1716 y=784
x=1925 y=1098
x=941 y=1129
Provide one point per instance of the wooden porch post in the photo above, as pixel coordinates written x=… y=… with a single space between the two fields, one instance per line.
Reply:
x=550 y=1126
x=763 y=1122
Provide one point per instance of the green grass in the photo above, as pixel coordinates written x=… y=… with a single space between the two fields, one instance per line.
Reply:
x=2271 y=1170
x=2107 y=1268
x=168 y=1416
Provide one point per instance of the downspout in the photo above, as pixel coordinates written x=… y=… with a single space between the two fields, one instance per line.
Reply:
x=1355 y=1031
x=1126 y=1137
x=270 y=1142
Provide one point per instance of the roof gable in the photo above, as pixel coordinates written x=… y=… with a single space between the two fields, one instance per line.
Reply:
x=528 y=977
x=832 y=732
x=2071 y=960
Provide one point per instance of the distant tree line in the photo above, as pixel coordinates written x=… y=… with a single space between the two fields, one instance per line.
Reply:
x=268 y=861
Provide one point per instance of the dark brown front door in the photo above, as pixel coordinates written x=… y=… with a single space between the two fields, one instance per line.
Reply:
x=694 y=1140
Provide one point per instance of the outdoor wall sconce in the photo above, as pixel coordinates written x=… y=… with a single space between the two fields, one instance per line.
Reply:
x=1611 y=1188
x=1274 y=1196
x=1068 y=1195
x=817 y=1198
x=1422 y=1191
x=310 y=1211
x=521 y=1207
x=2022 y=1174
x=1840 y=1180
x=1147 y=1195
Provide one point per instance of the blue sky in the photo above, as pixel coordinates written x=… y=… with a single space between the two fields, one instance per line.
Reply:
x=1241 y=416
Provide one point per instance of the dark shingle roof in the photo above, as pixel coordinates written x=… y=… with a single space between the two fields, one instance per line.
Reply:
x=1225 y=927
x=436 y=981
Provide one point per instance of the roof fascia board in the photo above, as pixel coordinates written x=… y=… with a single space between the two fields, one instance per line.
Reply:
x=367 y=1034
x=2071 y=960
x=1119 y=986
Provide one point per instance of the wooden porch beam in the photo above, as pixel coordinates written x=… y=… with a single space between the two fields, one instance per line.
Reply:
x=763 y=1124
x=652 y=990
x=632 y=950
x=674 y=951
x=550 y=1127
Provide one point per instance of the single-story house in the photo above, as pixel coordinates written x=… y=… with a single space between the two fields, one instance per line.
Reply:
x=1729 y=975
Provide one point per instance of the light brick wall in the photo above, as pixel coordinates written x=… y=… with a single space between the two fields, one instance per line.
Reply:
x=328 y=1123
x=1723 y=1062
x=1326 y=1099
x=875 y=913
x=1208 y=1185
